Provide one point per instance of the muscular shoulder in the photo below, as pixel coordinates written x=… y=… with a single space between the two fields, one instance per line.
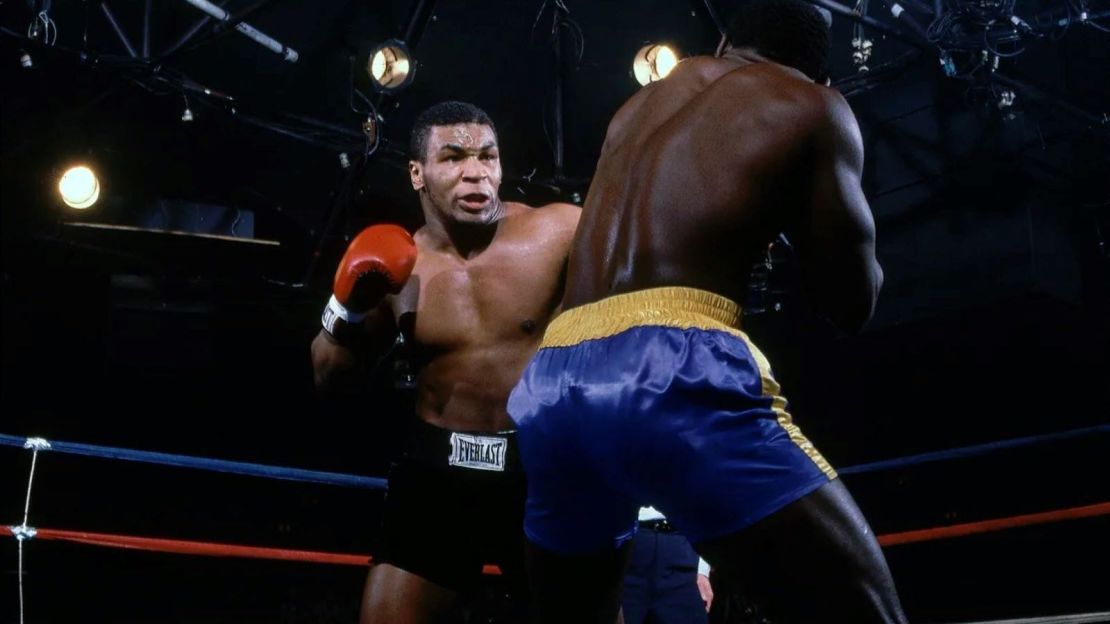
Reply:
x=690 y=75
x=784 y=95
x=769 y=82
x=559 y=216
x=701 y=69
x=835 y=129
x=824 y=108
x=835 y=109
x=544 y=232
x=553 y=218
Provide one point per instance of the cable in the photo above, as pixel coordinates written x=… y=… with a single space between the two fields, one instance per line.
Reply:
x=561 y=19
x=860 y=43
x=1090 y=21
x=353 y=89
x=42 y=25
x=1080 y=7
x=715 y=17
x=995 y=51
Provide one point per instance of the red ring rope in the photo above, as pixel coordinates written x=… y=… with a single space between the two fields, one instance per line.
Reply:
x=309 y=556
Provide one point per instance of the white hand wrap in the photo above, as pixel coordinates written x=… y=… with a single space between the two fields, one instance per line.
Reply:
x=335 y=310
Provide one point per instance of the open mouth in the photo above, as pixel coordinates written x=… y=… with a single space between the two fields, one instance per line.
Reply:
x=474 y=201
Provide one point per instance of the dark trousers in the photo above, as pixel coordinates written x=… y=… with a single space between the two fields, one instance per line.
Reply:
x=661 y=584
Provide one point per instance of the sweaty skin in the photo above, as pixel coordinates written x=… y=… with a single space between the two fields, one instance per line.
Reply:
x=481 y=318
x=699 y=172
x=488 y=278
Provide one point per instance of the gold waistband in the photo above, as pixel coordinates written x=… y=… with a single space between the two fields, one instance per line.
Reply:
x=674 y=306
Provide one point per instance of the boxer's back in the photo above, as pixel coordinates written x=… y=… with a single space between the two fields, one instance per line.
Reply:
x=698 y=173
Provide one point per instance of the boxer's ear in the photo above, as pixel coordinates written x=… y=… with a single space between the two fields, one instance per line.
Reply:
x=416 y=175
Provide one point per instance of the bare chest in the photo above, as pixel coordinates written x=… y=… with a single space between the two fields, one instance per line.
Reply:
x=500 y=297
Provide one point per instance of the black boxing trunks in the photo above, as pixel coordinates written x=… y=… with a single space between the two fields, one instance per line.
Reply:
x=455 y=504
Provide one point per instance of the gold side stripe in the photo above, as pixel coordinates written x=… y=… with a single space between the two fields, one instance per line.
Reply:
x=771 y=388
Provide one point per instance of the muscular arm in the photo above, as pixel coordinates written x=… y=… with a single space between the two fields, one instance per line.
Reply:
x=564 y=222
x=335 y=364
x=835 y=236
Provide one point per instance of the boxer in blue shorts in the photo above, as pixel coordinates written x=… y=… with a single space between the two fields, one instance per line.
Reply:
x=655 y=396
x=646 y=391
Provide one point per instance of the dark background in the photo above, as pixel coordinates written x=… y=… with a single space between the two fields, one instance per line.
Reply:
x=993 y=322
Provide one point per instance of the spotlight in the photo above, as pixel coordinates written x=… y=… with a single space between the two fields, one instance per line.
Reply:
x=653 y=62
x=390 y=67
x=79 y=187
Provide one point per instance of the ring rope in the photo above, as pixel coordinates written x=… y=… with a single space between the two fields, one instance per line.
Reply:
x=377 y=483
x=24 y=532
x=213 y=549
x=971 y=451
x=208 y=549
x=998 y=524
x=203 y=463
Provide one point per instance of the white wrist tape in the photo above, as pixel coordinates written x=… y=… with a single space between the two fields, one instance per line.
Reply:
x=335 y=310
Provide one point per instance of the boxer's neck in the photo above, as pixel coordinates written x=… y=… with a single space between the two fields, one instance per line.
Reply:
x=743 y=56
x=463 y=239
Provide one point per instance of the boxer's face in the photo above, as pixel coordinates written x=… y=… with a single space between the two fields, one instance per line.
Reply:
x=460 y=173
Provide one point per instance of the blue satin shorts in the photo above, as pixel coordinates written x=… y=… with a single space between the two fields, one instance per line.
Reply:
x=654 y=397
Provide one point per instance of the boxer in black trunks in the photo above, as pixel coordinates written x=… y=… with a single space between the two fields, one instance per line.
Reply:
x=474 y=289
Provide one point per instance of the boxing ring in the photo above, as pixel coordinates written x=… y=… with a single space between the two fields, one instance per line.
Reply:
x=24 y=531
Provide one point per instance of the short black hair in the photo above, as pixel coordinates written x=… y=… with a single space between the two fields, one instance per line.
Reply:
x=791 y=32
x=443 y=114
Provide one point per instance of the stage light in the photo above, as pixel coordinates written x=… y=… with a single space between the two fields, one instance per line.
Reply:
x=653 y=62
x=79 y=187
x=390 y=66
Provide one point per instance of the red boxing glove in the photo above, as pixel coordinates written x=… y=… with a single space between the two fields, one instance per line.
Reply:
x=378 y=262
